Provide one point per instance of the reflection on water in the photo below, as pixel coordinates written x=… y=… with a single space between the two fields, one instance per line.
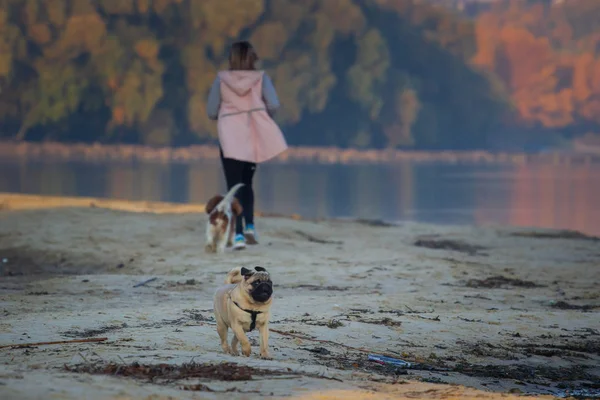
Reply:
x=543 y=196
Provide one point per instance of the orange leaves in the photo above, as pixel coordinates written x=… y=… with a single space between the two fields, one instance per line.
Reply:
x=375 y=72
x=524 y=56
x=486 y=36
x=118 y=115
x=137 y=94
x=82 y=33
x=40 y=33
x=56 y=10
x=147 y=49
x=221 y=20
x=112 y=83
x=269 y=39
x=583 y=76
x=118 y=6
x=344 y=16
x=10 y=42
x=538 y=55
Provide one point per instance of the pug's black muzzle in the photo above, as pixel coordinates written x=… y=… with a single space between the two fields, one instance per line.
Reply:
x=262 y=292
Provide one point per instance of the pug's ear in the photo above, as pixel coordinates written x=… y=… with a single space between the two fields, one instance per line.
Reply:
x=246 y=272
x=260 y=269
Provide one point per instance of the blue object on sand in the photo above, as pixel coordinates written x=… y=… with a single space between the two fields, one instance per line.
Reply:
x=389 y=360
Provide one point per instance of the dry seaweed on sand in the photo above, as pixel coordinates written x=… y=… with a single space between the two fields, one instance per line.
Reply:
x=563 y=305
x=315 y=239
x=173 y=372
x=168 y=373
x=531 y=374
x=560 y=234
x=499 y=281
x=445 y=244
x=376 y=223
x=88 y=333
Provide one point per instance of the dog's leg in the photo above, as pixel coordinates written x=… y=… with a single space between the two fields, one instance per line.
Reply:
x=238 y=331
x=263 y=330
x=222 y=330
x=234 y=344
x=222 y=240
x=210 y=239
x=231 y=230
x=221 y=244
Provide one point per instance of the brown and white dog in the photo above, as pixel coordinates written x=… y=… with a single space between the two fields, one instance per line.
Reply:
x=222 y=212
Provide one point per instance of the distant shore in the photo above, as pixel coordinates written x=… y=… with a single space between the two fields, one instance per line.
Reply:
x=322 y=155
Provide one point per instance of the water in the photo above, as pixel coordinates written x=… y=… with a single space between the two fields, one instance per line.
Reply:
x=566 y=197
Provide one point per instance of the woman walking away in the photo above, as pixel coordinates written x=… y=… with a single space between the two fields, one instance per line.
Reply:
x=243 y=101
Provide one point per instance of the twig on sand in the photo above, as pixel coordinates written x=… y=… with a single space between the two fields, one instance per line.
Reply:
x=145 y=282
x=436 y=319
x=16 y=346
x=315 y=239
x=359 y=349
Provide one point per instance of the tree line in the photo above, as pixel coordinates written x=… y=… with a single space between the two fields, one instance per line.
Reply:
x=349 y=73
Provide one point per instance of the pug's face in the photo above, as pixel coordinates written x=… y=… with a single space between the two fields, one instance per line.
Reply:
x=257 y=284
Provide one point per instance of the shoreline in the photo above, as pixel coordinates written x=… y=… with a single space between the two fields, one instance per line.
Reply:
x=31 y=151
x=22 y=201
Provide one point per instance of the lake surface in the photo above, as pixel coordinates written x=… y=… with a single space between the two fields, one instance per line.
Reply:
x=542 y=196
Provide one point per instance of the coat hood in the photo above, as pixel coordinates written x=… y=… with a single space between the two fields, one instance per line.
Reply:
x=240 y=81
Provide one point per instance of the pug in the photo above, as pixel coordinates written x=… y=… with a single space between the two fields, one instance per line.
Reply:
x=243 y=304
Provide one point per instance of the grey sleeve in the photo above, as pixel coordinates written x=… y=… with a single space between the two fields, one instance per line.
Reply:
x=269 y=94
x=214 y=100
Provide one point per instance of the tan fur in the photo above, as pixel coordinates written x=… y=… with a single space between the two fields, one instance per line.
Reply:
x=234 y=276
x=228 y=315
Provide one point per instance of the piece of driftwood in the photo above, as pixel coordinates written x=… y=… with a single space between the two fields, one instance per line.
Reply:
x=16 y=346
x=143 y=283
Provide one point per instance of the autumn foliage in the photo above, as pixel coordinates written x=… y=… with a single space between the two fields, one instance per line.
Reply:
x=350 y=73
x=547 y=55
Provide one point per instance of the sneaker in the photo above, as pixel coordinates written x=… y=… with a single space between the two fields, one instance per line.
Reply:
x=250 y=235
x=239 y=242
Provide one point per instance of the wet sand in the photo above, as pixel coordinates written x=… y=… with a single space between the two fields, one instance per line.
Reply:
x=488 y=312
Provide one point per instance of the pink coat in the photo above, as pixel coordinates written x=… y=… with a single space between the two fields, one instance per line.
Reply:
x=246 y=131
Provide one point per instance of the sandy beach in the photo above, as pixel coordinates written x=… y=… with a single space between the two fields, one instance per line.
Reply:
x=492 y=312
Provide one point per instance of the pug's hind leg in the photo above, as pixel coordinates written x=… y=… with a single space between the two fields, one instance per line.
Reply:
x=222 y=330
x=234 y=345
x=238 y=331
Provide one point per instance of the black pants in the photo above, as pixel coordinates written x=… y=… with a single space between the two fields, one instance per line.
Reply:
x=241 y=172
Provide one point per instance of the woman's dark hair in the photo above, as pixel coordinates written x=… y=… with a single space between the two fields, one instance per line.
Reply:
x=242 y=56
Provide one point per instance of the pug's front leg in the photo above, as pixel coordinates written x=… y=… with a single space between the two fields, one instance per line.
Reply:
x=238 y=331
x=263 y=330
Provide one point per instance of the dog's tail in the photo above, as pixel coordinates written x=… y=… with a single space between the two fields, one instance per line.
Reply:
x=234 y=276
x=229 y=196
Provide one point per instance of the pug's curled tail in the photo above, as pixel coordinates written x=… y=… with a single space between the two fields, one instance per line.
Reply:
x=234 y=276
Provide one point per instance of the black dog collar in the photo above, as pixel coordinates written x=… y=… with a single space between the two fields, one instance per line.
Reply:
x=254 y=314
